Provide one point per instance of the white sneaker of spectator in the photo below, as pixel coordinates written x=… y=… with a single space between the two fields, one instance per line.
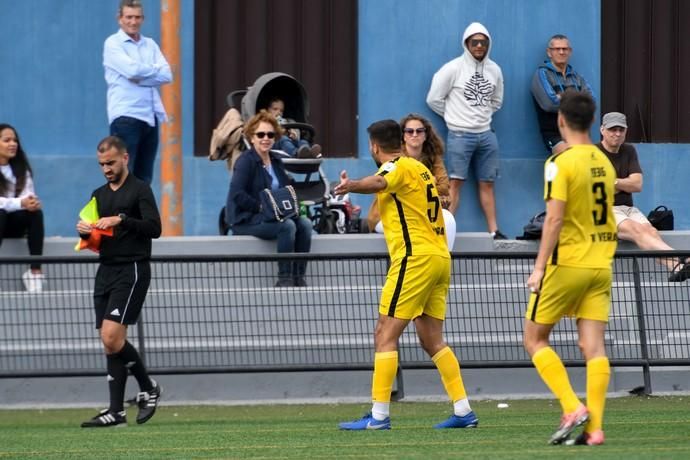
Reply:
x=33 y=282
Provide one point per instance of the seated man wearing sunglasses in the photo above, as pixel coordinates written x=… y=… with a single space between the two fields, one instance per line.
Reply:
x=466 y=92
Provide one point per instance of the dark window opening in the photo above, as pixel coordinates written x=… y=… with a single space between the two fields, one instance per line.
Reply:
x=236 y=41
x=644 y=62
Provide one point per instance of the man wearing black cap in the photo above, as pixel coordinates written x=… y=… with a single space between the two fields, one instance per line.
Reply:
x=632 y=224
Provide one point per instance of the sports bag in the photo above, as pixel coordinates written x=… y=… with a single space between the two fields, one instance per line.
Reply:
x=532 y=231
x=280 y=204
x=661 y=218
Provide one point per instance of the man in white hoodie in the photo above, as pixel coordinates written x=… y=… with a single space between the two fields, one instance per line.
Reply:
x=466 y=92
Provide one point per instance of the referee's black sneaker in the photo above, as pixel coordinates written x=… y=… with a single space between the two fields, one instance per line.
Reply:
x=148 y=402
x=105 y=419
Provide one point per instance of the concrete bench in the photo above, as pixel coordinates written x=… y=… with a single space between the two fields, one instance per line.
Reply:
x=677 y=239
x=214 y=245
x=10 y=275
x=467 y=242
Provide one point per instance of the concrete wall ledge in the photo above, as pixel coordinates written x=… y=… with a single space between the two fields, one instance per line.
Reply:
x=677 y=239
x=234 y=244
x=468 y=242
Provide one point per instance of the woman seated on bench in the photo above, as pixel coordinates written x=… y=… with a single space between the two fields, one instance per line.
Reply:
x=20 y=208
x=256 y=169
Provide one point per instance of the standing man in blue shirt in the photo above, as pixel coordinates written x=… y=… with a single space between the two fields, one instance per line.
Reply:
x=134 y=70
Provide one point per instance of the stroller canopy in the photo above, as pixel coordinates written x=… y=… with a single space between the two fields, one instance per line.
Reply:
x=277 y=85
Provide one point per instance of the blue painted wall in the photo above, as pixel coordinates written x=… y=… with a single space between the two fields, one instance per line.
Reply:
x=52 y=90
x=399 y=56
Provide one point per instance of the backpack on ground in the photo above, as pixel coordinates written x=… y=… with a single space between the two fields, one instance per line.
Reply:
x=532 y=231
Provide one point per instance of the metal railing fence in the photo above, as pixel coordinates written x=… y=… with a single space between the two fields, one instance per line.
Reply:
x=222 y=314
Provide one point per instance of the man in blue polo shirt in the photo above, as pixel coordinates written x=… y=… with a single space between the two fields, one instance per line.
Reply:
x=134 y=70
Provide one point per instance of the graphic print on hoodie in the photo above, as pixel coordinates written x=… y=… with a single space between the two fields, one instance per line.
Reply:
x=478 y=90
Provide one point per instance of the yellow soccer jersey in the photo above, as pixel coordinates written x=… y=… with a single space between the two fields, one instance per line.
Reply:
x=583 y=178
x=411 y=210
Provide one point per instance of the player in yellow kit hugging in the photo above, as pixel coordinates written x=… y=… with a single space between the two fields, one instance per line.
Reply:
x=417 y=282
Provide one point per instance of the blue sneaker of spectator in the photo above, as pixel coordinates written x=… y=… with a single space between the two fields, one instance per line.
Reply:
x=368 y=422
x=454 y=421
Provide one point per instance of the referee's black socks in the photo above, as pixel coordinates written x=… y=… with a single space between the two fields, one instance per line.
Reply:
x=117 y=378
x=132 y=361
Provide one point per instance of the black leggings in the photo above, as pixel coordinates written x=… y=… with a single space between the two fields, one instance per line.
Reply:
x=24 y=223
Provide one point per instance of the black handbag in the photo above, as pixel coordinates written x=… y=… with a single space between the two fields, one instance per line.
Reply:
x=661 y=218
x=280 y=204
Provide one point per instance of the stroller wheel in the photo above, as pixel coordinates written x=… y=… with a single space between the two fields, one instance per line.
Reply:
x=327 y=222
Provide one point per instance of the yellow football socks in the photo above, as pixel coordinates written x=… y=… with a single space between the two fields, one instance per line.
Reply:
x=385 y=367
x=449 y=368
x=553 y=373
x=598 y=374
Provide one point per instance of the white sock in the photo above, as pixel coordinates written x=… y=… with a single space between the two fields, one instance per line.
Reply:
x=380 y=410
x=461 y=407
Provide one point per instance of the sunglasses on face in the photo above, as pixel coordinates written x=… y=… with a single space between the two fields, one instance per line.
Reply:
x=262 y=134
x=411 y=131
x=476 y=42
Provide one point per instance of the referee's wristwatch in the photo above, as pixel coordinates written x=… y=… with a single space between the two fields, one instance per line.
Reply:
x=123 y=217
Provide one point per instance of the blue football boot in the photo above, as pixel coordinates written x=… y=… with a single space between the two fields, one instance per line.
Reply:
x=368 y=422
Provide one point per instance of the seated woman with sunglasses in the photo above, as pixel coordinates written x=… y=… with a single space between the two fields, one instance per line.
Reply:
x=422 y=142
x=256 y=169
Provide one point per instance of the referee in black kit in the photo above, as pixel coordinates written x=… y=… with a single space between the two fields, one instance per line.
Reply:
x=127 y=205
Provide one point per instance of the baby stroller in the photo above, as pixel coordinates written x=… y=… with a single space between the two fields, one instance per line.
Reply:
x=269 y=86
x=311 y=184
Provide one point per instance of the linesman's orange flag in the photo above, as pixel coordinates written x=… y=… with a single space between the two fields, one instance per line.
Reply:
x=90 y=214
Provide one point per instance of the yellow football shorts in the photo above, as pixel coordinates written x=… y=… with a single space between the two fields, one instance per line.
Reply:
x=570 y=291
x=416 y=285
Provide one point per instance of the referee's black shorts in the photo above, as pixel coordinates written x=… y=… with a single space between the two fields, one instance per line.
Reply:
x=120 y=291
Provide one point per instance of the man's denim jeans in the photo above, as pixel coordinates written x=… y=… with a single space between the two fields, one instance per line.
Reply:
x=293 y=235
x=142 y=143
